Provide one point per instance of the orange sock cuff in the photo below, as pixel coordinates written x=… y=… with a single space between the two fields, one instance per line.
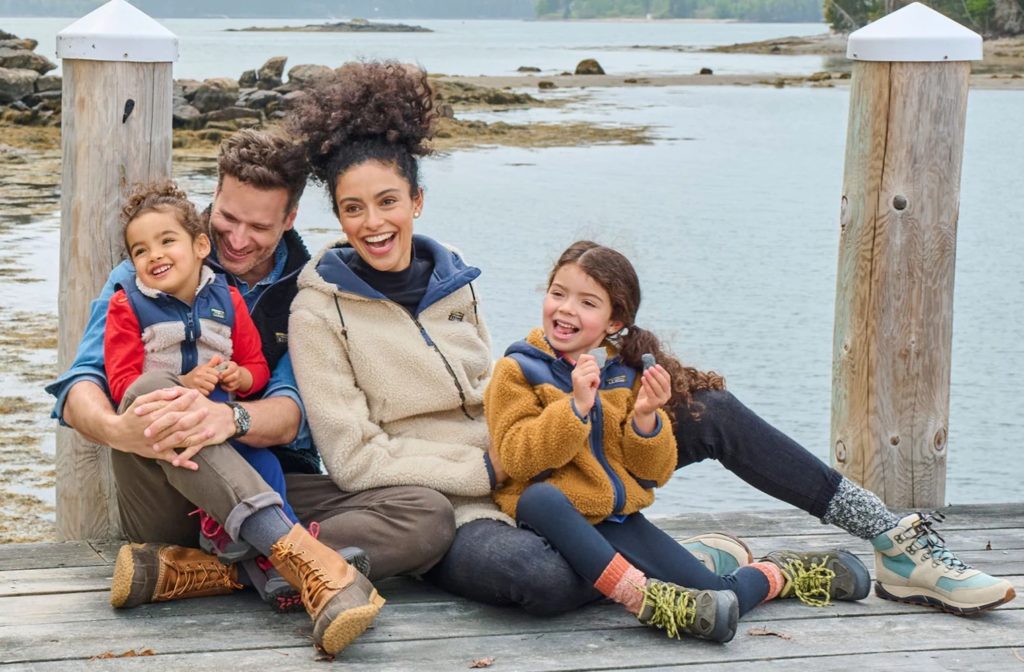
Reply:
x=623 y=583
x=612 y=575
x=774 y=575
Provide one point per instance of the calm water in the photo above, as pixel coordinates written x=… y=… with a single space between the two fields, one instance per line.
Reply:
x=464 y=47
x=731 y=218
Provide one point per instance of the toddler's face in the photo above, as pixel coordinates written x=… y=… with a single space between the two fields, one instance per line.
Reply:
x=165 y=256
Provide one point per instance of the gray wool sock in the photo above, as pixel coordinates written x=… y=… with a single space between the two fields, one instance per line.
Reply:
x=263 y=528
x=858 y=511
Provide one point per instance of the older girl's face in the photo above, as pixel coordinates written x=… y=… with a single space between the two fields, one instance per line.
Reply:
x=376 y=211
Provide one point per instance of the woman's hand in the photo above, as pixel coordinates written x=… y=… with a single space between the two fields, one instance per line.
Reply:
x=586 y=378
x=655 y=391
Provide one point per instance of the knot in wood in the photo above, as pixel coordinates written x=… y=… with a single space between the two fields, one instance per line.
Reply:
x=899 y=202
x=939 y=440
x=894 y=440
x=840 y=451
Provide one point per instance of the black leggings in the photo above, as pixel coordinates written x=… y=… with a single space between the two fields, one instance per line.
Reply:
x=590 y=548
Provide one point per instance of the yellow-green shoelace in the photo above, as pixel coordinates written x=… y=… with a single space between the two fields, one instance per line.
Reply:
x=674 y=610
x=811 y=585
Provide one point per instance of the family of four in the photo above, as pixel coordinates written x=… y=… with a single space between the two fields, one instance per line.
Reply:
x=221 y=363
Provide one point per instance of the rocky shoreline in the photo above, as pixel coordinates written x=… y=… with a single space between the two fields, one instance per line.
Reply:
x=353 y=26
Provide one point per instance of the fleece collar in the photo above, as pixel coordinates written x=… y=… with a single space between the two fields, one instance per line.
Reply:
x=449 y=275
x=206 y=276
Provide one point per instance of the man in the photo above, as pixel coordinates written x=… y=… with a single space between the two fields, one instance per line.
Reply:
x=404 y=530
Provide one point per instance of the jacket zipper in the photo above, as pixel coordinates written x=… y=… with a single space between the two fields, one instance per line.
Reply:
x=597 y=448
x=451 y=372
x=189 y=352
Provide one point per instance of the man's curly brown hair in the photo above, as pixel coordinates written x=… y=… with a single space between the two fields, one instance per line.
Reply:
x=163 y=196
x=265 y=160
x=369 y=111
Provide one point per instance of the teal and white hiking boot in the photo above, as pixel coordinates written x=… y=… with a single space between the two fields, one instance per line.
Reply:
x=816 y=578
x=721 y=553
x=704 y=614
x=913 y=565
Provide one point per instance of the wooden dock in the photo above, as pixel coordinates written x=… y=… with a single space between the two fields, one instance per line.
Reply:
x=55 y=615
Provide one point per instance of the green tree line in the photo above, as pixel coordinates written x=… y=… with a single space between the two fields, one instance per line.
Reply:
x=991 y=18
x=741 y=10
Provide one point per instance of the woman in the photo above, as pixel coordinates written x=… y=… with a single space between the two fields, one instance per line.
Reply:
x=392 y=358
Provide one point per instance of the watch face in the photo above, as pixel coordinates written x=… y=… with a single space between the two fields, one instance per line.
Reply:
x=242 y=420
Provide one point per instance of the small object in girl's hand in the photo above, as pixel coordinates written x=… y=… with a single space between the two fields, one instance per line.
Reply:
x=648 y=360
x=222 y=367
x=599 y=354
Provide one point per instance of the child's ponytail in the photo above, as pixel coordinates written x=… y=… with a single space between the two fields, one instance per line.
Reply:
x=685 y=379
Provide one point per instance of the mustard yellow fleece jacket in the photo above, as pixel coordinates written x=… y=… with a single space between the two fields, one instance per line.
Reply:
x=602 y=464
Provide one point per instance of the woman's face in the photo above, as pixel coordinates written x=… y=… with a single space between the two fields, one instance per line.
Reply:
x=376 y=211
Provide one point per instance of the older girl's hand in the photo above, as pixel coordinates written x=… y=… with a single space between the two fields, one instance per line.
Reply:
x=586 y=378
x=655 y=391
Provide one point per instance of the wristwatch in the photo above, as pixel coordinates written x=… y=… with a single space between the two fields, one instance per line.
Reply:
x=243 y=421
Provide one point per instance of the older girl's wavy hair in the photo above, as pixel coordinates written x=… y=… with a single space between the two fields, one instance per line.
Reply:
x=162 y=196
x=368 y=111
x=612 y=270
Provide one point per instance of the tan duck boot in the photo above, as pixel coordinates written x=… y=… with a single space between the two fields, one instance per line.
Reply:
x=160 y=572
x=341 y=601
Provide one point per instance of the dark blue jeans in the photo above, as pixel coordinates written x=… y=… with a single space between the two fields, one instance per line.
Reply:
x=497 y=564
x=589 y=549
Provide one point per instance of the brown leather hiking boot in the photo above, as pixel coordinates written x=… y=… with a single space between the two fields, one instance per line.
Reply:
x=341 y=601
x=160 y=572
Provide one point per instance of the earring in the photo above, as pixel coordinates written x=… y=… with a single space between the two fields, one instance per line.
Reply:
x=416 y=214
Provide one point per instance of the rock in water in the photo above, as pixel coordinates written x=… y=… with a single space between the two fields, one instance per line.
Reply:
x=589 y=66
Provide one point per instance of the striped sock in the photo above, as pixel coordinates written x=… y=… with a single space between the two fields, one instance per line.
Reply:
x=623 y=583
x=774 y=575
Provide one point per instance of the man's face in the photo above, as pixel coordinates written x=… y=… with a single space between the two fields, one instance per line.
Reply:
x=247 y=224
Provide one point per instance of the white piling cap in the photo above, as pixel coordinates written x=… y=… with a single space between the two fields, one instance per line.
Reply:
x=117 y=31
x=914 y=33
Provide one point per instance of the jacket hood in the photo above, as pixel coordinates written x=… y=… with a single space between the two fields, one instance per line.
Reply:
x=330 y=272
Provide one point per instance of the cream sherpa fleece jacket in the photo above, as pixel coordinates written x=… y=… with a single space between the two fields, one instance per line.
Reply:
x=392 y=398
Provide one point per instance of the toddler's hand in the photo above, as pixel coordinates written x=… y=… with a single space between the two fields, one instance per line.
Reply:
x=230 y=376
x=204 y=377
x=586 y=378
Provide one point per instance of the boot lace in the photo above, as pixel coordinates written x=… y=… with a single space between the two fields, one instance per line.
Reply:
x=923 y=537
x=311 y=574
x=811 y=585
x=192 y=577
x=674 y=609
x=212 y=530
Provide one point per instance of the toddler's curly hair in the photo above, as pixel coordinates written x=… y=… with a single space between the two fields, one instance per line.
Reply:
x=161 y=196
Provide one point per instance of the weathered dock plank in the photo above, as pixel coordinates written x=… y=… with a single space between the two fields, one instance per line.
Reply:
x=54 y=614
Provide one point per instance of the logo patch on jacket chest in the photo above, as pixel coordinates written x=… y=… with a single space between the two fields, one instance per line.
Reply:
x=615 y=380
x=218 y=313
x=281 y=337
x=456 y=316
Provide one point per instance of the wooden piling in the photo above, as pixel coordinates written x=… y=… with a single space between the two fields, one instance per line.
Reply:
x=894 y=290
x=115 y=132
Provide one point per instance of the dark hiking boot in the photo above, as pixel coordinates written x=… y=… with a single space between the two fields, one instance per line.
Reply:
x=818 y=577
x=704 y=614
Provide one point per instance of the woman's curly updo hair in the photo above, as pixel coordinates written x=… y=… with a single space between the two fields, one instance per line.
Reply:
x=613 y=271
x=368 y=111
x=163 y=196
